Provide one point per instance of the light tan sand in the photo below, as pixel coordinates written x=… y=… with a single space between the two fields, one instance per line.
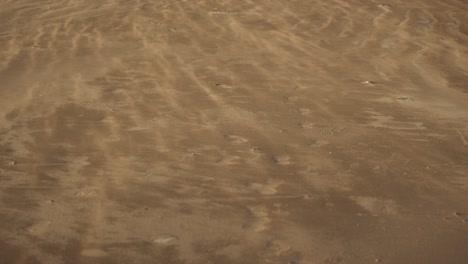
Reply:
x=320 y=131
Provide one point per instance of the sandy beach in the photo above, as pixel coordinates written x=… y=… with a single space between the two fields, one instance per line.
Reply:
x=225 y=132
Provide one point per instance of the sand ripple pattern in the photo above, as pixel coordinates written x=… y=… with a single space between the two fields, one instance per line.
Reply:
x=233 y=131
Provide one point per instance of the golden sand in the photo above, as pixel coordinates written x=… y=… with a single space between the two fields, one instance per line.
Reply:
x=319 y=131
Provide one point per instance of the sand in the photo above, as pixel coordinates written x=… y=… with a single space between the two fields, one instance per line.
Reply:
x=234 y=131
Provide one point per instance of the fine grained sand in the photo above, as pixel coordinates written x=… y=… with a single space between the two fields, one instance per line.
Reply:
x=234 y=131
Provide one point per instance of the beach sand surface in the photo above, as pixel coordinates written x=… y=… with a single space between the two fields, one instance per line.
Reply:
x=195 y=132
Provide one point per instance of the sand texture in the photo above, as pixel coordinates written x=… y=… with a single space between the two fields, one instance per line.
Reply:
x=241 y=131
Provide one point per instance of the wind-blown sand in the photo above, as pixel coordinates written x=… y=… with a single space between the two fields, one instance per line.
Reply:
x=234 y=131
